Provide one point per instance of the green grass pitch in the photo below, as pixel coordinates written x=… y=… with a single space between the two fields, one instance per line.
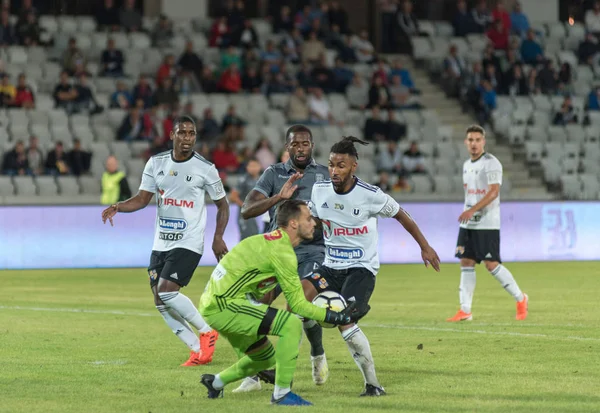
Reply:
x=92 y=341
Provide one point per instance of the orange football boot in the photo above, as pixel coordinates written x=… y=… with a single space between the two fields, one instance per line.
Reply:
x=207 y=346
x=194 y=360
x=522 y=307
x=460 y=316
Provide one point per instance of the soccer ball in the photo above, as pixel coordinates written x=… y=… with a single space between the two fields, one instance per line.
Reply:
x=330 y=300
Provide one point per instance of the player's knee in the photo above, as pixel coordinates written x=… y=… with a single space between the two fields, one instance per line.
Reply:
x=491 y=265
x=466 y=262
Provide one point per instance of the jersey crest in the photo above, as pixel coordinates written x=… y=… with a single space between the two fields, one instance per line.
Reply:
x=273 y=235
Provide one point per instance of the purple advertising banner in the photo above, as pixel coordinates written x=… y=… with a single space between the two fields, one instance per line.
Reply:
x=74 y=236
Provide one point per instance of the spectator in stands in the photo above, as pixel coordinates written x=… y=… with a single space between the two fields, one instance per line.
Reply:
x=519 y=21
x=72 y=56
x=26 y=9
x=142 y=90
x=302 y=19
x=85 y=97
x=409 y=26
x=363 y=48
x=533 y=82
x=389 y=159
x=588 y=50
x=79 y=160
x=121 y=98
x=168 y=122
x=107 y=16
x=389 y=23
x=276 y=83
x=189 y=111
x=219 y=33
x=166 y=95
x=207 y=81
x=132 y=127
x=210 y=128
x=167 y=70
x=379 y=94
x=8 y=34
x=56 y=161
x=566 y=115
x=482 y=18
x=233 y=125
x=454 y=66
x=191 y=65
x=271 y=56
x=112 y=60
x=341 y=43
x=357 y=93
x=230 y=81
x=531 y=51
x=405 y=77
x=487 y=103
x=594 y=99
x=163 y=32
x=592 y=20
x=247 y=37
x=342 y=76
x=284 y=22
x=463 y=20
x=263 y=152
x=297 y=110
x=548 y=78
x=15 y=161
x=115 y=187
x=312 y=49
x=224 y=157
x=396 y=131
x=251 y=81
x=7 y=92
x=29 y=31
x=323 y=76
x=498 y=35
x=130 y=18
x=237 y=16
x=401 y=96
x=564 y=75
x=338 y=16
x=291 y=46
x=320 y=110
x=413 y=161
x=376 y=129
x=489 y=57
x=516 y=82
x=65 y=95
x=250 y=58
x=384 y=182
x=303 y=76
x=491 y=75
x=500 y=13
x=157 y=146
x=35 y=157
x=229 y=57
x=381 y=70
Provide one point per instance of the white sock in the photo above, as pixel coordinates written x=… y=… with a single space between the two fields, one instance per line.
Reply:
x=359 y=347
x=280 y=392
x=185 y=308
x=466 y=288
x=507 y=280
x=180 y=327
x=218 y=383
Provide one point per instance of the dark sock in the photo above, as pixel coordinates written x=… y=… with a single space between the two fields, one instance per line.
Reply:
x=314 y=333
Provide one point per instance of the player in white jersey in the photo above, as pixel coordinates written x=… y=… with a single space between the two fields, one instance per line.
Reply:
x=479 y=233
x=348 y=209
x=180 y=178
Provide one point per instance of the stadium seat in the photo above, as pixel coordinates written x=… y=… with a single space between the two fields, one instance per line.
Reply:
x=68 y=185
x=570 y=166
x=120 y=150
x=67 y=24
x=90 y=185
x=444 y=166
x=421 y=184
x=86 y=24
x=139 y=148
x=571 y=186
x=552 y=170
x=443 y=184
x=533 y=151
x=557 y=134
x=553 y=150
x=135 y=167
x=590 y=185
x=6 y=185
x=24 y=186
x=46 y=185
x=516 y=135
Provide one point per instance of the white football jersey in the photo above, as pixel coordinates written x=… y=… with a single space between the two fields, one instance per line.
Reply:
x=350 y=223
x=180 y=187
x=477 y=177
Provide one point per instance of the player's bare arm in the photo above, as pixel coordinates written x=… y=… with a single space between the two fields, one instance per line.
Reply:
x=492 y=193
x=219 y=247
x=135 y=203
x=257 y=203
x=427 y=252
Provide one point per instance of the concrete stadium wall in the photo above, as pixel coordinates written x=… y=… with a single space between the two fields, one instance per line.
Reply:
x=74 y=236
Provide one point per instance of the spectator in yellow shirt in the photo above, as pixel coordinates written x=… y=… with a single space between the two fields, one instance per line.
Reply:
x=7 y=92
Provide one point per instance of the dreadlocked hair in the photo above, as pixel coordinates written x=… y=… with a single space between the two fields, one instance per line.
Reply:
x=346 y=146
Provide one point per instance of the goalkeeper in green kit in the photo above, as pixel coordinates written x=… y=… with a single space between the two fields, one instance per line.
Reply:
x=230 y=304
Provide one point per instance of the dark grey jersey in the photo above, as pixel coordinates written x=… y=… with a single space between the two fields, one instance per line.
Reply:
x=275 y=177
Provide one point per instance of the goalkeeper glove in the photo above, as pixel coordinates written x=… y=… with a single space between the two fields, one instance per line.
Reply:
x=343 y=317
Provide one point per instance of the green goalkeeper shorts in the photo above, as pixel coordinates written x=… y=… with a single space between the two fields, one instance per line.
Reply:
x=244 y=323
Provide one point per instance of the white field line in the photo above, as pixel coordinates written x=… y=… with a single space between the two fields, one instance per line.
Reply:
x=369 y=325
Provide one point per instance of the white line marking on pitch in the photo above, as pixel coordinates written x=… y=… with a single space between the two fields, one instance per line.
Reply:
x=387 y=326
x=110 y=362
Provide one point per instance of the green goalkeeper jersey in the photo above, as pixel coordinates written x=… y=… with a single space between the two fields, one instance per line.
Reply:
x=253 y=268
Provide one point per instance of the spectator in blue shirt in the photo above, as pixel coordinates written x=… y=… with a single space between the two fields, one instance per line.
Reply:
x=405 y=77
x=271 y=56
x=121 y=98
x=488 y=102
x=519 y=21
x=343 y=76
x=531 y=51
x=593 y=100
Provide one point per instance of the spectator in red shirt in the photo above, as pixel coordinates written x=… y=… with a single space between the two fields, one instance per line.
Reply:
x=231 y=81
x=219 y=33
x=166 y=70
x=501 y=14
x=225 y=158
x=498 y=35
x=24 y=97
